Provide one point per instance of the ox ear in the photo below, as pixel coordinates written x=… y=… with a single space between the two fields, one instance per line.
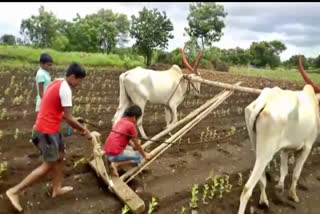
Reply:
x=306 y=77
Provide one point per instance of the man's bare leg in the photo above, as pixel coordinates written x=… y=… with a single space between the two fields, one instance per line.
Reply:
x=114 y=165
x=35 y=175
x=57 y=178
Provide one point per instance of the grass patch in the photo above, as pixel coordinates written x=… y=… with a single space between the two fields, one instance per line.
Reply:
x=29 y=55
x=280 y=73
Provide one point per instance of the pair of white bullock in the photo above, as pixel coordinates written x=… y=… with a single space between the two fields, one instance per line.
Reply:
x=278 y=120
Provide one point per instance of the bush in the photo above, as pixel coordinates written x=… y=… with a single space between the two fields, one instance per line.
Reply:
x=221 y=66
x=205 y=64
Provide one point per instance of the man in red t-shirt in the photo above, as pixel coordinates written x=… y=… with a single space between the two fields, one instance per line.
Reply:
x=55 y=106
x=123 y=134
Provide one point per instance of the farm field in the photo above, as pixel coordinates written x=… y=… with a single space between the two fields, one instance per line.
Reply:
x=218 y=145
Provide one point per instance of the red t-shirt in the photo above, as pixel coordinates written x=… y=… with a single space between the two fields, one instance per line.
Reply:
x=56 y=96
x=115 y=142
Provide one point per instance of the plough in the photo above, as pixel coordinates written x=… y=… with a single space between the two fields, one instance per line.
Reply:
x=118 y=185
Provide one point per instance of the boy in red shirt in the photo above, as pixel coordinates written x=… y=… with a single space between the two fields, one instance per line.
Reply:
x=124 y=133
x=56 y=104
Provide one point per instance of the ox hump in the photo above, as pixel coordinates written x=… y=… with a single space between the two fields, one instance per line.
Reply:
x=176 y=68
x=309 y=89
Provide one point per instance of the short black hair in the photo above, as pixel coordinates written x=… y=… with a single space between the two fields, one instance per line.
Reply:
x=45 y=58
x=77 y=70
x=131 y=111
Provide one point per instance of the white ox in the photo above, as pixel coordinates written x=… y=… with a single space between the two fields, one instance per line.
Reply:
x=280 y=120
x=139 y=86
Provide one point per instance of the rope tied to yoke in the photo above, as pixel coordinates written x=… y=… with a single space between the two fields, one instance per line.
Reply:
x=190 y=83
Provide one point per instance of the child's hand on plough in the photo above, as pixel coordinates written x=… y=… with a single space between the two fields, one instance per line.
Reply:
x=147 y=156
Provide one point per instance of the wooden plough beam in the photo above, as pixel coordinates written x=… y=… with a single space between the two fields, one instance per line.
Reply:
x=225 y=85
x=229 y=86
x=215 y=102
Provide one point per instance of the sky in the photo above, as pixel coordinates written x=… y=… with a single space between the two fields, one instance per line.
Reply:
x=296 y=24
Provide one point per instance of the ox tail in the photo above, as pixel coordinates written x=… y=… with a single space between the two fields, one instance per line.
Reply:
x=252 y=123
x=124 y=100
x=255 y=112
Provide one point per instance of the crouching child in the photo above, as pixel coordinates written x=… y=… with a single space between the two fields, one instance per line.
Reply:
x=122 y=146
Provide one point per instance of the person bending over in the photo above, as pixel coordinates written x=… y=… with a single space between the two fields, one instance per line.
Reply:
x=122 y=141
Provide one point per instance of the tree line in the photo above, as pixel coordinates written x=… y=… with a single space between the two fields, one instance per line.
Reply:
x=108 y=32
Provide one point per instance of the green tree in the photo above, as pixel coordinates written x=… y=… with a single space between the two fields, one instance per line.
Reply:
x=8 y=39
x=277 y=47
x=311 y=61
x=151 y=29
x=205 y=21
x=100 y=31
x=42 y=29
x=60 y=42
x=293 y=62
x=317 y=62
x=266 y=53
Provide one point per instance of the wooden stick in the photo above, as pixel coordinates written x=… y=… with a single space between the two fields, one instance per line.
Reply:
x=226 y=85
x=160 y=149
x=185 y=119
x=237 y=88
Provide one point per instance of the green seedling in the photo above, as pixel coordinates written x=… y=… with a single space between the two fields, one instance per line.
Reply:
x=81 y=160
x=125 y=209
x=183 y=210
x=152 y=205
x=221 y=187
x=240 y=180
x=227 y=184
x=205 y=193
x=194 y=196
x=3 y=167
x=16 y=134
x=214 y=184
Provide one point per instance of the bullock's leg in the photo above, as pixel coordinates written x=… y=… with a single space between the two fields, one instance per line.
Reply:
x=167 y=115
x=263 y=184
x=119 y=113
x=265 y=149
x=297 y=171
x=141 y=103
x=174 y=115
x=258 y=170
x=283 y=170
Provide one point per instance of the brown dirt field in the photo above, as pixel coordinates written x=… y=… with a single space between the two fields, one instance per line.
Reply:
x=170 y=178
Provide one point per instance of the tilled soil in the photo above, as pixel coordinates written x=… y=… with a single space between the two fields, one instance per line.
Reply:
x=170 y=178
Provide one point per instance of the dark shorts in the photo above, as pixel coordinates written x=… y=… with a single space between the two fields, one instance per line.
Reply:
x=125 y=155
x=50 y=145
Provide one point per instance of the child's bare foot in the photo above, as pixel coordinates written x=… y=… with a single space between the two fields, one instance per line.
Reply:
x=14 y=199
x=62 y=191
x=114 y=169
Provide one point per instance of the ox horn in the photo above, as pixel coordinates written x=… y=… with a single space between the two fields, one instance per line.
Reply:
x=195 y=66
x=306 y=77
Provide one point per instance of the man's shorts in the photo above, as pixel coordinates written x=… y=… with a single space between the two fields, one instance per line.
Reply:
x=126 y=155
x=50 y=145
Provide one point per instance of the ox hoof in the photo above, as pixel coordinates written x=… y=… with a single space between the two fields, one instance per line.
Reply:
x=280 y=188
x=293 y=196
x=263 y=204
